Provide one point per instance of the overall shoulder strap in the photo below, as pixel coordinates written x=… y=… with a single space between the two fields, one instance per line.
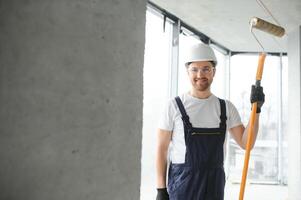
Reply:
x=223 y=116
x=185 y=117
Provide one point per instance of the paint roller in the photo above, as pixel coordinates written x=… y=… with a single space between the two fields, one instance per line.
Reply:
x=275 y=30
x=267 y=27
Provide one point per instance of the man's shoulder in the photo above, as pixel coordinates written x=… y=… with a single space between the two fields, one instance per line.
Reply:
x=229 y=104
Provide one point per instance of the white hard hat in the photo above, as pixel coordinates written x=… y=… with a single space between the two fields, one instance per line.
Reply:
x=200 y=52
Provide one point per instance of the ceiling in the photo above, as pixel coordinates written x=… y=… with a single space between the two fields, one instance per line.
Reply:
x=227 y=21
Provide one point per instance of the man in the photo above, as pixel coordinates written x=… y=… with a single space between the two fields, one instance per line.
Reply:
x=194 y=126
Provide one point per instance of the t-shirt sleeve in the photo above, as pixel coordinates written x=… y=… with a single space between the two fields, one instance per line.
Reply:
x=233 y=116
x=166 y=121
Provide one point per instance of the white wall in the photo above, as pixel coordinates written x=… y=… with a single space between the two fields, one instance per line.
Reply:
x=294 y=114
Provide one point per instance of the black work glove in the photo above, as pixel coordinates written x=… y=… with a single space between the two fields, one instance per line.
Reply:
x=257 y=95
x=162 y=194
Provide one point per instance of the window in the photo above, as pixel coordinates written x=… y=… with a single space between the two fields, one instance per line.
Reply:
x=155 y=88
x=264 y=163
x=220 y=83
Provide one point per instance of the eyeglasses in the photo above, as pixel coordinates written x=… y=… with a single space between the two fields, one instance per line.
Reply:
x=204 y=70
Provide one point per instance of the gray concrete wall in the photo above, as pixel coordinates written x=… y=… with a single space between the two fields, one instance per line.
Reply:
x=71 y=99
x=294 y=114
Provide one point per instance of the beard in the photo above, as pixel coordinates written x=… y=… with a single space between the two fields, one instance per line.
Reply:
x=201 y=84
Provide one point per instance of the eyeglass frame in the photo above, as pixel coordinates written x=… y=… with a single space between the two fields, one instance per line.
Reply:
x=204 y=70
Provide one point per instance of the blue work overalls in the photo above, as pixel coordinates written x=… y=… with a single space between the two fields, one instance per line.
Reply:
x=202 y=176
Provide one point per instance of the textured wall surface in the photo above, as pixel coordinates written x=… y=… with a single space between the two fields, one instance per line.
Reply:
x=71 y=99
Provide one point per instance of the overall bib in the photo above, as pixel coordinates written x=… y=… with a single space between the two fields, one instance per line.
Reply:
x=202 y=176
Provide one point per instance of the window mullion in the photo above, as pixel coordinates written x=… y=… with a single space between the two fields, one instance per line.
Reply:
x=174 y=61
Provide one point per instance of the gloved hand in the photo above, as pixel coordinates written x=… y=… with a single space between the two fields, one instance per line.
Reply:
x=257 y=95
x=162 y=194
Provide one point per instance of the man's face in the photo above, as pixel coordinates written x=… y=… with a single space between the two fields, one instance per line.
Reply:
x=201 y=75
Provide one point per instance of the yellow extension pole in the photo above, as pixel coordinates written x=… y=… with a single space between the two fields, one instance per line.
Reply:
x=251 y=127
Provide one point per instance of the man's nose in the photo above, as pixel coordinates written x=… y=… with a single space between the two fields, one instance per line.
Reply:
x=200 y=73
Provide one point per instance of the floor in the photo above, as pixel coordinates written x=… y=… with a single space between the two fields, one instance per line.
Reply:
x=256 y=192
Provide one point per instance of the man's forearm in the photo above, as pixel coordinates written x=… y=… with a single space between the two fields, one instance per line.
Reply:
x=164 y=138
x=161 y=165
x=255 y=132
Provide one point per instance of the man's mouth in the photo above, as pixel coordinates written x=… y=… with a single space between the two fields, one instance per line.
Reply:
x=201 y=80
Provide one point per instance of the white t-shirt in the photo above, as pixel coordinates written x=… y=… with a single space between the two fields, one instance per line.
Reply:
x=203 y=113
